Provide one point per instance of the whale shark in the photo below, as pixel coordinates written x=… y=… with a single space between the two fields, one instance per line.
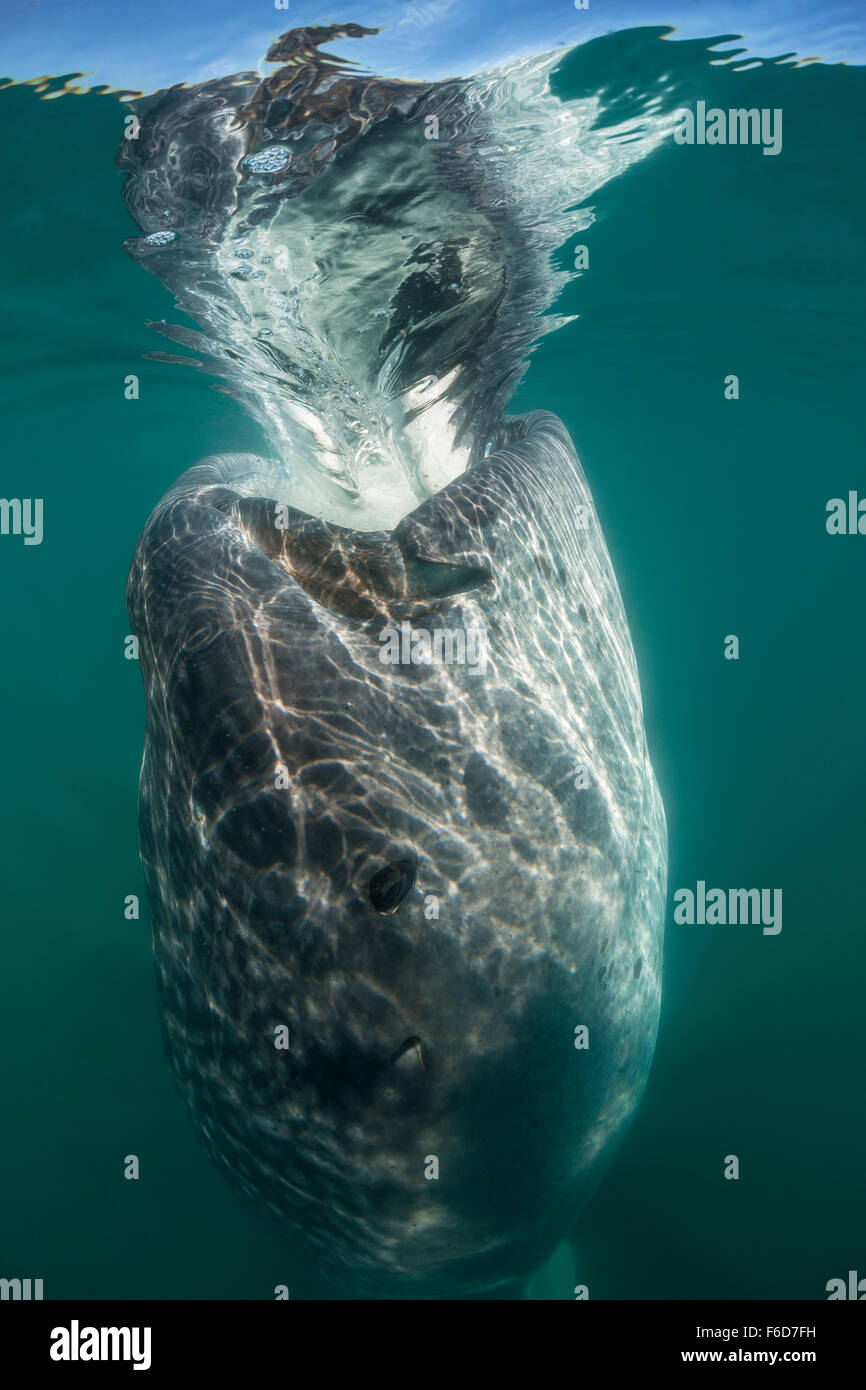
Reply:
x=407 y=906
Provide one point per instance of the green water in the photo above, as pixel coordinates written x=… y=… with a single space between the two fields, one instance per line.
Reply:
x=702 y=263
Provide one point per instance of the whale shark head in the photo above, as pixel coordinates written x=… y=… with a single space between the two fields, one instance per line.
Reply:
x=403 y=845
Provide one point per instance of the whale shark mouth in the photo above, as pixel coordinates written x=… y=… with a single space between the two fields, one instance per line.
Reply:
x=402 y=867
x=368 y=260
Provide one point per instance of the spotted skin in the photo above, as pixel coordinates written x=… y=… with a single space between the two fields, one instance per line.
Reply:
x=287 y=768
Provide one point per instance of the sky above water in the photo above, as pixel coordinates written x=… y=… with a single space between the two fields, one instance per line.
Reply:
x=147 y=44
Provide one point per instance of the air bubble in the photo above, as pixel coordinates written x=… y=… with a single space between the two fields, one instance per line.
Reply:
x=269 y=161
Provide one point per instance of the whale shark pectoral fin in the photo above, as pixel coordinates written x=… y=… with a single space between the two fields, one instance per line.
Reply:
x=442 y=579
x=515 y=497
x=444 y=551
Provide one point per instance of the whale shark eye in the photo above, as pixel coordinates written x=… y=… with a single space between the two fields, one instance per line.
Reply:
x=390 y=885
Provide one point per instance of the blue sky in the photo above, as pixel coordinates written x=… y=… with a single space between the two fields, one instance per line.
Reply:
x=145 y=44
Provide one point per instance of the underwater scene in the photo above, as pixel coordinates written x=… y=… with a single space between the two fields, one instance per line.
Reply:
x=432 y=536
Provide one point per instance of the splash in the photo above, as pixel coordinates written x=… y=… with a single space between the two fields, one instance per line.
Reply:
x=369 y=261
